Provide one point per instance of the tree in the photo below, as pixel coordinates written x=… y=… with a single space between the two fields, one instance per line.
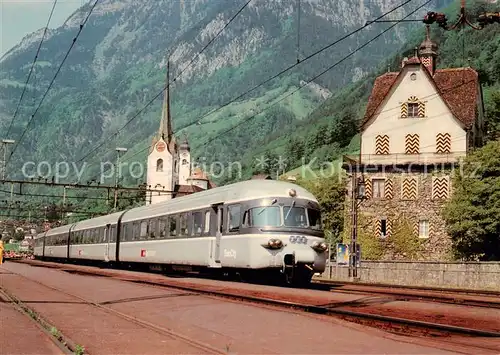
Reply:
x=472 y=214
x=493 y=115
x=330 y=193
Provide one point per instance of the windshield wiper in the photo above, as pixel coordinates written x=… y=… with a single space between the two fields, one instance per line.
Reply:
x=272 y=203
x=293 y=204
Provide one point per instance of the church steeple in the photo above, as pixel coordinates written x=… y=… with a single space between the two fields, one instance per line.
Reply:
x=166 y=120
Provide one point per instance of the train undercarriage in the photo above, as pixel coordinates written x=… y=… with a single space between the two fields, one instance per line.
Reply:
x=291 y=275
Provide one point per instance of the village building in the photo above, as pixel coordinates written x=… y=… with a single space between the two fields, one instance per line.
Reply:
x=169 y=165
x=419 y=124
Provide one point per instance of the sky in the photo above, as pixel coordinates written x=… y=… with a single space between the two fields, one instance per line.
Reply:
x=21 y=17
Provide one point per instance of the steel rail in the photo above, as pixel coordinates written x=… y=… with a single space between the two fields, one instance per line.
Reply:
x=205 y=347
x=308 y=308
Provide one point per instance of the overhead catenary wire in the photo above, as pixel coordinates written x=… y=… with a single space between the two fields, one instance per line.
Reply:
x=312 y=79
x=248 y=91
x=52 y=81
x=31 y=69
x=300 y=87
x=166 y=86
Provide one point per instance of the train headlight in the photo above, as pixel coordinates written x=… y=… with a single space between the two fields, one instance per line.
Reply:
x=319 y=246
x=273 y=244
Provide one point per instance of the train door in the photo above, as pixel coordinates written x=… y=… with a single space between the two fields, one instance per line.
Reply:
x=219 y=212
x=107 y=241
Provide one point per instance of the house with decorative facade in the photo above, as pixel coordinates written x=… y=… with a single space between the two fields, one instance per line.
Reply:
x=419 y=124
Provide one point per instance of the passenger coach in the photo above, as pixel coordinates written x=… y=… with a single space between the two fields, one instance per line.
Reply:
x=264 y=227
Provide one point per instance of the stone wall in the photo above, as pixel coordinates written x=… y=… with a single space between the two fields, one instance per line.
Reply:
x=412 y=197
x=471 y=275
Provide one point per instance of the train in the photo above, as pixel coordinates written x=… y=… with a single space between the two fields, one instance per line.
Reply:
x=265 y=229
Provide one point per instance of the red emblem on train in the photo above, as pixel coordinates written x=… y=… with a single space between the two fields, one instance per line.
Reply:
x=143 y=253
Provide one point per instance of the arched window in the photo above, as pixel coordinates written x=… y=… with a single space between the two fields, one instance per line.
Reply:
x=159 y=165
x=184 y=161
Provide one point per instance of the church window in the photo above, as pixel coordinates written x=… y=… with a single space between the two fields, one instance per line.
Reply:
x=159 y=165
x=184 y=161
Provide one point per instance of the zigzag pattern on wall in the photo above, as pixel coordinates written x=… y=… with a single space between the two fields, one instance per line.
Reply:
x=443 y=143
x=440 y=188
x=413 y=99
x=421 y=109
x=415 y=228
x=389 y=189
x=426 y=61
x=431 y=229
x=389 y=227
x=368 y=187
x=382 y=144
x=404 y=110
x=412 y=144
x=409 y=189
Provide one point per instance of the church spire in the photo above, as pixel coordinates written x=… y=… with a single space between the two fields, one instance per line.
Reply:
x=166 y=120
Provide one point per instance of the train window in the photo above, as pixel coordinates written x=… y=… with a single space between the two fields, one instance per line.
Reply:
x=172 y=222
x=295 y=216
x=314 y=217
x=197 y=224
x=144 y=230
x=234 y=217
x=152 y=229
x=184 y=224
x=136 y=229
x=207 y=222
x=269 y=216
x=163 y=228
x=112 y=236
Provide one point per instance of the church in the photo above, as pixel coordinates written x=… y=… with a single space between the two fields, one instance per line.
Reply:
x=169 y=165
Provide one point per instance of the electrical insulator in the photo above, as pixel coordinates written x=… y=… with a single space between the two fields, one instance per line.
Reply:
x=430 y=18
x=488 y=18
x=438 y=17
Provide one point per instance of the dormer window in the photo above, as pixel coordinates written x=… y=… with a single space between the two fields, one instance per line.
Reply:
x=413 y=77
x=412 y=109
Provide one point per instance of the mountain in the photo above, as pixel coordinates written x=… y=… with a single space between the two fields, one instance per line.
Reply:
x=117 y=66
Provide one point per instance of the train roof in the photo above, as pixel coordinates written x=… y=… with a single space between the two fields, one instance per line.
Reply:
x=100 y=221
x=59 y=230
x=240 y=191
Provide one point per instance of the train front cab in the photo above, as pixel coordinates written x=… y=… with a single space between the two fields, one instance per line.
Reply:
x=281 y=234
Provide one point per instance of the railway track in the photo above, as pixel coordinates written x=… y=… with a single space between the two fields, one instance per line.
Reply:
x=389 y=323
x=462 y=299
x=207 y=349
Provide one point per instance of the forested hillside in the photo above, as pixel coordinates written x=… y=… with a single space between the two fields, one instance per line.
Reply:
x=330 y=130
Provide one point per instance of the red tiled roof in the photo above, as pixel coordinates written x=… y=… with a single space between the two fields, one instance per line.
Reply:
x=457 y=86
x=188 y=188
